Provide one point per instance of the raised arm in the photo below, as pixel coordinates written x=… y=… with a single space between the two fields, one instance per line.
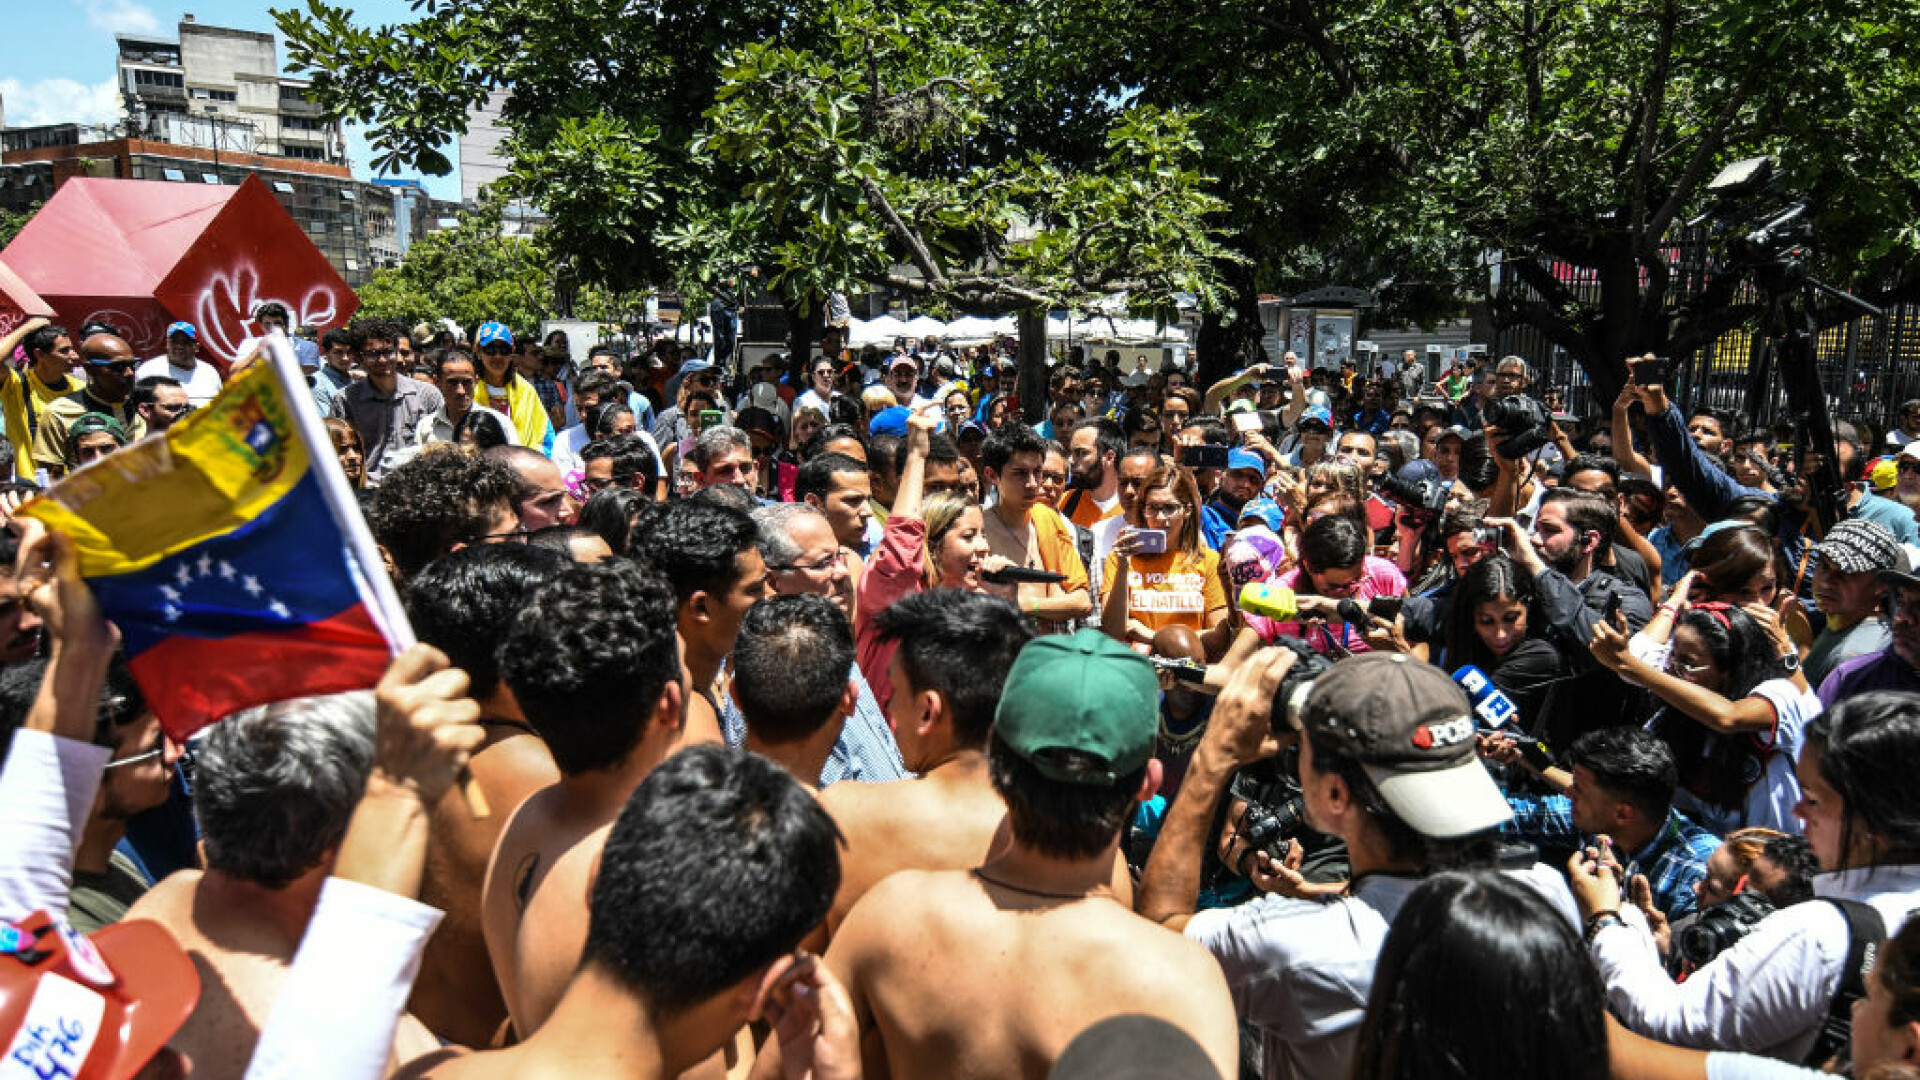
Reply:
x=913 y=475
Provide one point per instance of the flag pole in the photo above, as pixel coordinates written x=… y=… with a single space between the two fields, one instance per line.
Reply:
x=375 y=586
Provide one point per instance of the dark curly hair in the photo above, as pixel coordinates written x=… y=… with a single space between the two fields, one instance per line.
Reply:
x=380 y=330
x=464 y=602
x=438 y=499
x=697 y=545
x=587 y=659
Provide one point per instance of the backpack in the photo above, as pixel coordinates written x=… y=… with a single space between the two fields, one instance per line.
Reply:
x=1866 y=930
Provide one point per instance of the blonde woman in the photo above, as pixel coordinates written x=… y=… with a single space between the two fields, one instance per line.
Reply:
x=1149 y=591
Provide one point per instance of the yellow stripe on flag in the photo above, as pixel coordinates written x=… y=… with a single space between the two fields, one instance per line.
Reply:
x=207 y=476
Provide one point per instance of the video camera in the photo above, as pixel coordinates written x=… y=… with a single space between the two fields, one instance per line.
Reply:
x=1525 y=422
x=1422 y=500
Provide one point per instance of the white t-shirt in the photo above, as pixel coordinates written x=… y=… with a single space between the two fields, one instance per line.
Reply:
x=202 y=382
x=1771 y=799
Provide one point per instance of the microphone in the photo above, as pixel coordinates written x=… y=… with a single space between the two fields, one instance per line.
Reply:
x=1276 y=602
x=1353 y=614
x=1494 y=708
x=1020 y=575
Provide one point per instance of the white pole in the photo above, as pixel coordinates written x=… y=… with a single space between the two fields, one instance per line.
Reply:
x=383 y=600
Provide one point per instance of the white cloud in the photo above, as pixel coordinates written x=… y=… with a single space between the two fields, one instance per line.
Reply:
x=59 y=101
x=121 y=17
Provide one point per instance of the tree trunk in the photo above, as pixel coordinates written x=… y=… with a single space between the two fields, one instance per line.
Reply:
x=1033 y=364
x=803 y=333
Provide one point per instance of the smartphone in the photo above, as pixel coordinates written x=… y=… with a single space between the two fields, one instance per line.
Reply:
x=1205 y=456
x=1613 y=608
x=1150 y=541
x=1184 y=670
x=710 y=417
x=1246 y=422
x=1654 y=372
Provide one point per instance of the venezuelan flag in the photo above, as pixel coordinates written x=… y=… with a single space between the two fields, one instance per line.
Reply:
x=225 y=559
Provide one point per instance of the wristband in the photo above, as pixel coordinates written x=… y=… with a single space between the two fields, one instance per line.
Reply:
x=1599 y=921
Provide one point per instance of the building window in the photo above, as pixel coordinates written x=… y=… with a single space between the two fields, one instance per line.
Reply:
x=225 y=95
x=302 y=123
x=209 y=178
x=175 y=174
x=307 y=153
x=159 y=78
x=283 y=187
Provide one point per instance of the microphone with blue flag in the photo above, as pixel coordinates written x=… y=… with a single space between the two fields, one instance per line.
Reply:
x=1494 y=708
x=1497 y=713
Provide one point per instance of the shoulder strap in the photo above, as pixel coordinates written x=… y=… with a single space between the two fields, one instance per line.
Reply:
x=1072 y=502
x=1865 y=931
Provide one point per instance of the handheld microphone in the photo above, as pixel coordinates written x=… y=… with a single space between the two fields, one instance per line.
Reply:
x=1020 y=575
x=1353 y=614
x=1496 y=710
x=1276 y=602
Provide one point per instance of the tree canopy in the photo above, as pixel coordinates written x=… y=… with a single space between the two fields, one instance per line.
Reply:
x=989 y=154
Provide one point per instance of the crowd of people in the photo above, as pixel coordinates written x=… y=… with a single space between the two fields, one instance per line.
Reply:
x=849 y=715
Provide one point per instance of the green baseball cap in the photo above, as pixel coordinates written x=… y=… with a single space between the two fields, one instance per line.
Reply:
x=93 y=423
x=1086 y=693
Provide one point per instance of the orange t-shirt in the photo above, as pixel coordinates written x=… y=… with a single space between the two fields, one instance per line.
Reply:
x=1174 y=589
x=1086 y=511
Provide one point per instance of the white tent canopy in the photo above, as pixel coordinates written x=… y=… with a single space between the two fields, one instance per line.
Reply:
x=880 y=331
x=926 y=326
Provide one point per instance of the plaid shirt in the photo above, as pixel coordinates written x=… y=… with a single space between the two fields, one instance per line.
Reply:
x=1675 y=860
x=866 y=749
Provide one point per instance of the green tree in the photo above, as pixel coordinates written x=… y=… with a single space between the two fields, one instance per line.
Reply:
x=1415 y=139
x=12 y=221
x=831 y=145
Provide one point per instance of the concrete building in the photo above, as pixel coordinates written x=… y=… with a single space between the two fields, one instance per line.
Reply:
x=221 y=88
x=480 y=160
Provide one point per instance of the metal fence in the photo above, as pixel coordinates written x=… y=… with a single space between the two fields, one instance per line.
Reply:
x=1869 y=365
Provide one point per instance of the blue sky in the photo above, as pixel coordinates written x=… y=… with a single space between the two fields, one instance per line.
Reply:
x=56 y=60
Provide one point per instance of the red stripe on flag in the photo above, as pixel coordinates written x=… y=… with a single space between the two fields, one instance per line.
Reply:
x=191 y=682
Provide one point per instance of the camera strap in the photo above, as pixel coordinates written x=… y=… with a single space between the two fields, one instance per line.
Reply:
x=1865 y=932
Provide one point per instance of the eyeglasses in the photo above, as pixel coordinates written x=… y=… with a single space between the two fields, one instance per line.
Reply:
x=498 y=350
x=1689 y=671
x=596 y=483
x=1162 y=510
x=823 y=563
x=1907 y=467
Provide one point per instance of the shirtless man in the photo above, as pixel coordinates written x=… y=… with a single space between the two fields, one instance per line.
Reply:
x=593 y=662
x=273 y=793
x=955 y=650
x=463 y=603
x=711 y=555
x=991 y=972
x=668 y=976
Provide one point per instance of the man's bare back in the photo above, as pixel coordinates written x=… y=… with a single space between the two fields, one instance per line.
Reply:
x=456 y=995
x=949 y=819
x=954 y=978
x=242 y=943
x=534 y=908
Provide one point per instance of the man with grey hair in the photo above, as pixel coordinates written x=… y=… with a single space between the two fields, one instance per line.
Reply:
x=804 y=558
x=1512 y=376
x=723 y=455
x=274 y=788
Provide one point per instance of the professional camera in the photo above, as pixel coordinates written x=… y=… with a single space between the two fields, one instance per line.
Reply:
x=1275 y=813
x=1422 y=500
x=1714 y=930
x=1525 y=422
x=1292 y=694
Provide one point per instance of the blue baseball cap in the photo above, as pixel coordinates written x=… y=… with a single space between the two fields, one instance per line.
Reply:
x=1264 y=510
x=1317 y=414
x=890 y=421
x=492 y=333
x=182 y=327
x=1238 y=458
